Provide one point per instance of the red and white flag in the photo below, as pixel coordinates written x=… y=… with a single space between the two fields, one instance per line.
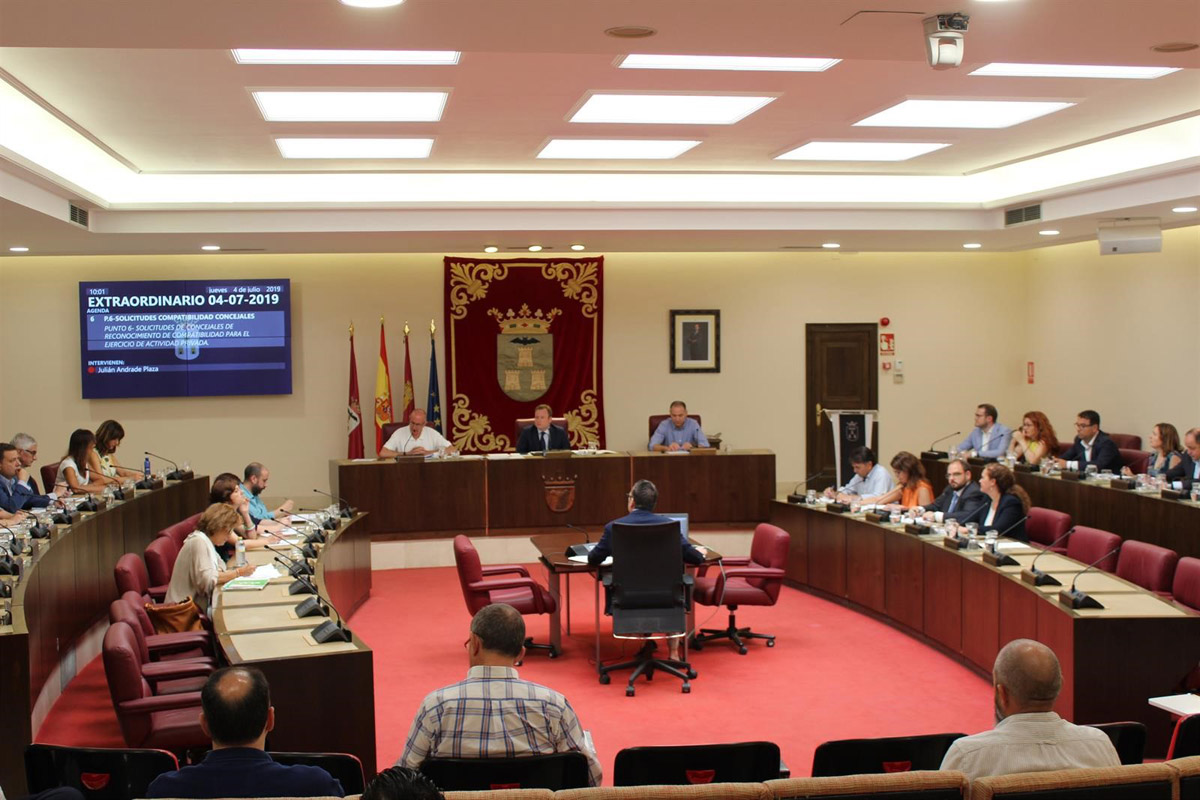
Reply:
x=354 y=448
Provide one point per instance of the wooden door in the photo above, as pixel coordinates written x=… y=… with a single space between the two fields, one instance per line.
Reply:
x=842 y=373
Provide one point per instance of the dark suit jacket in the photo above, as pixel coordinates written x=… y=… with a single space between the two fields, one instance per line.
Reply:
x=531 y=443
x=970 y=500
x=603 y=548
x=20 y=497
x=244 y=772
x=1105 y=454
x=1007 y=513
x=1183 y=472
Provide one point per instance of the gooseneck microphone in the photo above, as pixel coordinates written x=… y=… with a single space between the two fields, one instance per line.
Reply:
x=346 y=509
x=1077 y=598
x=295 y=568
x=795 y=496
x=9 y=565
x=579 y=549
x=177 y=474
x=999 y=559
x=931 y=453
x=1035 y=576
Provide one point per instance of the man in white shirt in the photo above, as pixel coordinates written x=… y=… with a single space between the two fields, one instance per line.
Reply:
x=870 y=479
x=418 y=439
x=1028 y=736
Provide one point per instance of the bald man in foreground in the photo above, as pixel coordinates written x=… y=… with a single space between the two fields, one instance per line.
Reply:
x=1028 y=736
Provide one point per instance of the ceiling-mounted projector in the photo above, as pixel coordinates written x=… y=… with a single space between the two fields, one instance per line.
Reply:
x=1138 y=237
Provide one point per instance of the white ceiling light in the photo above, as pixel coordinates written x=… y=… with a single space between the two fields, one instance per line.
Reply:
x=18 y=249
x=734 y=63
x=1050 y=232
x=212 y=248
x=616 y=148
x=251 y=55
x=578 y=247
x=831 y=245
x=535 y=248
x=372 y=3
x=961 y=113
x=972 y=246
x=859 y=151
x=351 y=106
x=354 y=148
x=491 y=248
x=669 y=109
x=1183 y=209
x=1002 y=69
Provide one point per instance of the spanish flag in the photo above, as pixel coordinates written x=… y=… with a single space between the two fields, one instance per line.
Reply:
x=383 y=391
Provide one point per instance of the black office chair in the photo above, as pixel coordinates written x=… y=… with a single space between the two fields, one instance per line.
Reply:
x=650 y=594
x=1129 y=738
x=100 y=773
x=344 y=767
x=739 y=762
x=873 y=756
x=555 y=771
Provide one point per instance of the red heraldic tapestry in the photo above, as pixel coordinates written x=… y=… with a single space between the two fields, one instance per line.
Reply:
x=520 y=333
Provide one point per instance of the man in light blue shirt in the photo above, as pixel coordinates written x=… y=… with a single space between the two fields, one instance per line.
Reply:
x=870 y=479
x=256 y=477
x=988 y=439
x=679 y=432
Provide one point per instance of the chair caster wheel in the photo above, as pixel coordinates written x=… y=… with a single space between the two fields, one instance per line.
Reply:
x=518 y=663
x=691 y=673
x=742 y=651
x=696 y=645
x=686 y=688
x=605 y=679
x=553 y=654
x=629 y=691
x=770 y=642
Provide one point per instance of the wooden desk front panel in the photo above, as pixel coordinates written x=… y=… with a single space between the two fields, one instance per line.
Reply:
x=827 y=552
x=516 y=490
x=724 y=487
x=795 y=522
x=345 y=566
x=865 y=573
x=944 y=600
x=409 y=497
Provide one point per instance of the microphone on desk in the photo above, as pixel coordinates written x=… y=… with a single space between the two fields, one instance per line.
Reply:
x=329 y=630
x=999 y=559
x=327 y=525
x=795 y=496
x=579 y=549
x=307 y=549
x=8 y=563
x=1077 y=598
x=295 y=568
x=931 y=453
x=177 y=474
x=347 y=510
x=1035 y=576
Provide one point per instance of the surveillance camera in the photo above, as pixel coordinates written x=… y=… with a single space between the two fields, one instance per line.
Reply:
x=944 y=39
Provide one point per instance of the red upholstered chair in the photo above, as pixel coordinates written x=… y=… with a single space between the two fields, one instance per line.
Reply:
x=166 y=677
x=1138 y=461
x=49 y=476
x=1186 y=587
x=391 y=428
x=1186 y=739
x=1088 y=544
x=160 y=558
x=1064 y=447
x=1126 y=441
x=525 y=422
x=180 y=530
x=185 y=644
x=656 y=420
x=169 y=722
x=1045 y=525
x=131 y=575
x=1148 y=565
x=481 y=587
x=752 y=581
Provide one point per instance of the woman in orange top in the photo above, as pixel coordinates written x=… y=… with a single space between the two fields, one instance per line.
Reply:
x=912 y=488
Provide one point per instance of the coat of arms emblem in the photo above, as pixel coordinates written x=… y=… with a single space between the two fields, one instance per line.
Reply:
x=524 y=352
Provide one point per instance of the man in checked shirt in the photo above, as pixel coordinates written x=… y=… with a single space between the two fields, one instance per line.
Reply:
x=493 y=713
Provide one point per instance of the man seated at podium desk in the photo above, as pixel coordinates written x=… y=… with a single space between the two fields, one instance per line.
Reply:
x=541 y=436
x=418 y=439
x=679 y=432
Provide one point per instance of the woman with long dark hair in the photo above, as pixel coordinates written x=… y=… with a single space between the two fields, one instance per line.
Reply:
x=79 y=479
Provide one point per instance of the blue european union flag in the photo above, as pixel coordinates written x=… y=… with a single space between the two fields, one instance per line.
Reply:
x=434 y=406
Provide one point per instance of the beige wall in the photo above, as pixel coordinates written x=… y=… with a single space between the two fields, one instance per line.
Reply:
x=1123 y=340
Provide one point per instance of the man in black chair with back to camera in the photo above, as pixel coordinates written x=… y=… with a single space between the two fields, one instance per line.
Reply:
x=541 y=436
x=641 y=501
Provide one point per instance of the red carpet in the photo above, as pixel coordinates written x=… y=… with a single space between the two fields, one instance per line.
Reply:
x=834 y=674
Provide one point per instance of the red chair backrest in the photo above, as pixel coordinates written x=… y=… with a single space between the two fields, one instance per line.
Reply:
x=1148 y=565
x=180 y=530
x=656 y=420
x=1186 y=586
x=1126 y=441
x=130 y=575
x=390 y=428
x=1186 y=739
x=1138 y=461
x=466 y=558
x=119 y=611
x=1088 y=544
x=160 y=560
x=123 y=671
x=1045 y=525
x=769 y=548
x=49 y=476
x=137 y=604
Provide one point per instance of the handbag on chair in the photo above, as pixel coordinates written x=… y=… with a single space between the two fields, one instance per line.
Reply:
x=175 y=617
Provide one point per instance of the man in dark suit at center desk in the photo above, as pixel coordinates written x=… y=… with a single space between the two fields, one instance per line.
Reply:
x=541 y=436
x=1092 y=447
x=962 y=496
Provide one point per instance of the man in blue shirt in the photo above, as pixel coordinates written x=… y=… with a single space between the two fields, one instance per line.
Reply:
x=988 y=439
x=870 y=479
x=236 y=713
x=256 y=477
x=680 y=432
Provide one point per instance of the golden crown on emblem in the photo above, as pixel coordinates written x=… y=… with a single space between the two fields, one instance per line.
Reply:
x=524 y=321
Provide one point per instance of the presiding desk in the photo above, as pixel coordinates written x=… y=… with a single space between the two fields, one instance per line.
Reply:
x=1113 y=659
x=64 y=593
x=1131 y=514
x=505 y=494
x=323 y=694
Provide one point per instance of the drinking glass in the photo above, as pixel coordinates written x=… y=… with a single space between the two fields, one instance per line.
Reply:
x=810 y=497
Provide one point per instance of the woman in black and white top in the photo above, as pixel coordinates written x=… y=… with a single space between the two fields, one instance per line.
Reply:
x=1008 y=503
x=73 y=470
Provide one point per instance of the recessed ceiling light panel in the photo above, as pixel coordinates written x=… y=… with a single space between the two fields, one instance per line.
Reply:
x=972 y=246
x=18 y=249
x=961 y=113
x=860 y=151
x=491 y=248
x=730 y=63
x=669 y=109
x=1002 y=69
x=535 y=248
x=354 y=148
x=1048 y=232
x=578 y=247
x=831 y=245
x=250 y=55
x=372 y=3
x=212 y=248
x=350 y=106
x=616 y=149
x=1183 y=209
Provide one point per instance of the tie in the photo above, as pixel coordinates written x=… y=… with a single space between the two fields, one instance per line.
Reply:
x=543 y=435
x=953 y=501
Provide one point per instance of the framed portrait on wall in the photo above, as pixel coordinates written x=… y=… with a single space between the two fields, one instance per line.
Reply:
x=695 y=341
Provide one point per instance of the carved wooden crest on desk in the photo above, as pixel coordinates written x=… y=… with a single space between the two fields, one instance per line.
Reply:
x=560 y=493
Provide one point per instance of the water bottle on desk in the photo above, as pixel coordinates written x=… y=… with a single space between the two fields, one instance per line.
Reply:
x=241 y=552
x=146 y=468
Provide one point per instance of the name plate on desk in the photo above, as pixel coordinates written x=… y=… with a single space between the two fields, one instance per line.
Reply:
x=1171 y=494
x=1071 y=475
x=1021 y=466
x=405 y=459
x=954 y=542
x=703 y=451
x=837 y=508
x=150 y=483
x=935 y=454
x=915 y=529
x=871 y=516
x=1121 y=483
x=979 y=461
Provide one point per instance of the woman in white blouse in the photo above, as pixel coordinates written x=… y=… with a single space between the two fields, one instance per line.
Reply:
x=199 y=570
x=73 y=470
